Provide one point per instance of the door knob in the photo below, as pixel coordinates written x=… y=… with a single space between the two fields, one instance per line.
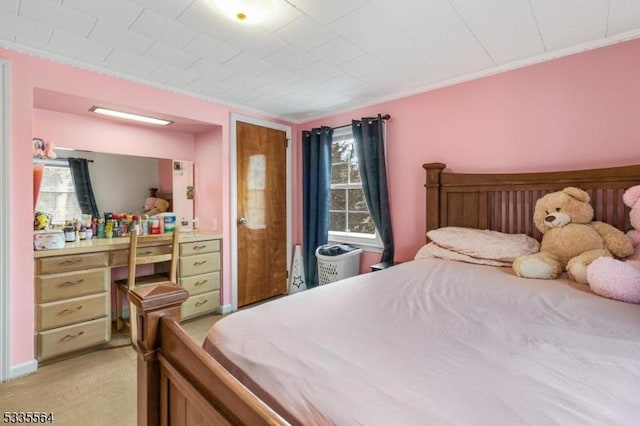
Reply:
x=242 y=221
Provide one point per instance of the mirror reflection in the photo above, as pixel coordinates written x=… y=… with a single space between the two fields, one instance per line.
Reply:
x=120 y=183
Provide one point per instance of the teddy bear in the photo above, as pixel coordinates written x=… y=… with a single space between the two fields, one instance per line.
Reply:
x=620 y=279
x=154 y=205
x=570 y=239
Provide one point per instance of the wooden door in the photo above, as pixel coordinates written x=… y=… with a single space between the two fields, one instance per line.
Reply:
x=262 y=212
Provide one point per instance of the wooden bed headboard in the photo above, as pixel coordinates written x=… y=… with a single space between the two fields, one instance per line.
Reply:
x=505 y=201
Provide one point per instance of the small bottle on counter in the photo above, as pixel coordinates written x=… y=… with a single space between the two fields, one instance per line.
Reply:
x=100 y=228
x=161 y=223
x=108 y=229
x=154 y=225
x=69 y=234
x=144 y=224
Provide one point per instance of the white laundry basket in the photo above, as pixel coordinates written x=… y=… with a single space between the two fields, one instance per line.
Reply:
x=336 y=267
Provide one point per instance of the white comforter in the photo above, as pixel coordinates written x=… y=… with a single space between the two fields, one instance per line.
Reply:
x=434 y=342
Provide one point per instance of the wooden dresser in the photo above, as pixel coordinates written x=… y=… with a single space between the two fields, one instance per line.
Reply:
x=72 y=303
x=199 y=273
x=73 y=288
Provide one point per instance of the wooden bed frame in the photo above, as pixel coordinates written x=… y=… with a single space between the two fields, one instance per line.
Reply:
x=505 y=201
x=180 y=384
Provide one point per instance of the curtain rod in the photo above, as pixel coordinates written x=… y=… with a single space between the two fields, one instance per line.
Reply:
x=53 y=161
x=384 y=117
x=80 y=158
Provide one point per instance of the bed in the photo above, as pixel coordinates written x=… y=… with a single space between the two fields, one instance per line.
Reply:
x=428 y=341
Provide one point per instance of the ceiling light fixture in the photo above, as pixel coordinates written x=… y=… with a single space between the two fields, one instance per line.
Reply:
x=129 y=116
x=247 y=11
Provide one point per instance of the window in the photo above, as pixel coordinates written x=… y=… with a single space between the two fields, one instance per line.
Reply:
x=57 y=192
x=349 y=218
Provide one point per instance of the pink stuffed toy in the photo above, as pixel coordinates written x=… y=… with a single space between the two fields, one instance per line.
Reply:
x=620 y=279
x=43 y=149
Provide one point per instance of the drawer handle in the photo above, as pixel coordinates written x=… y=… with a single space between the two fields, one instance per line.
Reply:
x=73 y=336
x=200 y=282
x=202 y=262
x=145 y=253
x=68 y=283
x=71 y=262
x=201 y=302
x=72 y=310
x=199 y=247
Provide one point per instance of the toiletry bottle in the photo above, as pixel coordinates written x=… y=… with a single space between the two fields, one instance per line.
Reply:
x=108 y=229
x=100 y=233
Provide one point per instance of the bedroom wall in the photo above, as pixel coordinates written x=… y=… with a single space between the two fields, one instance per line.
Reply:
x=209 y=185
x=575 y=112
x=165 y=175
x=100 y=135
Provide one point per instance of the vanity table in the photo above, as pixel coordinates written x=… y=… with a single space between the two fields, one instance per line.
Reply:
x=73 y=287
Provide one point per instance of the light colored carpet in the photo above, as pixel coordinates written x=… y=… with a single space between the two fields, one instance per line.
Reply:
x=97 y=388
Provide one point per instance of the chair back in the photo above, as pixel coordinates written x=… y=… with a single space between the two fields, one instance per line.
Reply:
x=148 y=249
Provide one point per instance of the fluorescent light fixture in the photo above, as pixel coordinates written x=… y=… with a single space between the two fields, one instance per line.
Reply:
x=247 y=11
x=129 y=116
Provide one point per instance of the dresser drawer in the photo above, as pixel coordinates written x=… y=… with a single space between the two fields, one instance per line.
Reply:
x=71 y=284
x=71 y=338
x=199 y=247
x=121 y=257
x=200 y=304
x=49 y=265
x=56 y=314
x=199 y=264
x=201 y=283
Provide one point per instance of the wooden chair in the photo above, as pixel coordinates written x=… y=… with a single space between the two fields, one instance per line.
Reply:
x=157 y=249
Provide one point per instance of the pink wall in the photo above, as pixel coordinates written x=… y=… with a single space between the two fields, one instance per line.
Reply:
x=208 y=178
x=29 y=73
x=210 y=193
x=574 y=112
x=99 y=135
x=165 y=176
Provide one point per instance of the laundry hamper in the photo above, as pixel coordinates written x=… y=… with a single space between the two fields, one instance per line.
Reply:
x=337 y=261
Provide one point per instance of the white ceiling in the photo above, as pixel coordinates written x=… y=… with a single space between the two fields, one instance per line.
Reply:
x=316 y=56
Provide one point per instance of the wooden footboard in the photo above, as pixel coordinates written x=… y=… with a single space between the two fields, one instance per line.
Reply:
x=178 y=382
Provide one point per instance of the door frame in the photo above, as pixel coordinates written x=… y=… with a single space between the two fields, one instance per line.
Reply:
x=5 y=222
x=234 y=195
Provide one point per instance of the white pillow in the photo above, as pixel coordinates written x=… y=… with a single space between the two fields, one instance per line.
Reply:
x=484 y=244
x=434 y=250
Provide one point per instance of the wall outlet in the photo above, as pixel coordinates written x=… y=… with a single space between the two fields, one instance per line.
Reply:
x=214 y=224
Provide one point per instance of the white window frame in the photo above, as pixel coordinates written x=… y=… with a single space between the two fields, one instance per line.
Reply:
x=368 y=242
x=59 y=162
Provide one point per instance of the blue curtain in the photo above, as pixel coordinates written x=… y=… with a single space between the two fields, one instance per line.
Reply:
x=80 y=173
x=316 y=171
x=368 y=135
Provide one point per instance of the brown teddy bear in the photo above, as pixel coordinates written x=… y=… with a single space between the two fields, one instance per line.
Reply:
x=570 y=240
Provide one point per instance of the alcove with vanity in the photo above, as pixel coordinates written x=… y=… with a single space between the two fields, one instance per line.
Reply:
x=74 y=302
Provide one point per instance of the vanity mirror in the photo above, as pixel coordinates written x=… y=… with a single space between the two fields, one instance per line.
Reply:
x=120 y=183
